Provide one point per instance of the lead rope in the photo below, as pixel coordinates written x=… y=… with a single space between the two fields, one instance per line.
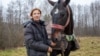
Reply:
x=62 y=43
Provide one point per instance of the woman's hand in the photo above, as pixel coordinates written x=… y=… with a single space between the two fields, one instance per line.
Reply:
x=49 y=49
x=53 y=44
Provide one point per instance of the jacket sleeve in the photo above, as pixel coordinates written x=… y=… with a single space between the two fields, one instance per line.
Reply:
x=49 y=42
x=31 y=43
x=48 y=39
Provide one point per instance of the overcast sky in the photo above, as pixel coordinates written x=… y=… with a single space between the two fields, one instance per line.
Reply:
x=82 y=2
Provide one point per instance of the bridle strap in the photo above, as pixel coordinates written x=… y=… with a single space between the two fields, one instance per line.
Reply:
x=68 y=20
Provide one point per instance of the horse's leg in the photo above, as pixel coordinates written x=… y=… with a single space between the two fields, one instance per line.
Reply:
x=67 y=51
x=55 y=52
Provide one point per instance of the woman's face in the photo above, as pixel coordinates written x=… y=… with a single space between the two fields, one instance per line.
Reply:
x=36 y=15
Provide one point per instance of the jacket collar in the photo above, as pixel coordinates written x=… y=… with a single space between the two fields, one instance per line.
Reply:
x=40 y=22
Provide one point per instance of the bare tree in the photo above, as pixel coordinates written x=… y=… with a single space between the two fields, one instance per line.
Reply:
x=31 y=3
x=1 y=27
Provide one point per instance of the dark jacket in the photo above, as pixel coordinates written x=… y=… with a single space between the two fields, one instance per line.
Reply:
x=36 y=38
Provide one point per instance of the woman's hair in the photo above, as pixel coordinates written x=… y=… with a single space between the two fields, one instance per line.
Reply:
x=34 y=10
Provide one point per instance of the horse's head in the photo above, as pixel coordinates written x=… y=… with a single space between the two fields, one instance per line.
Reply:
x=59 y=15
x=59 y=12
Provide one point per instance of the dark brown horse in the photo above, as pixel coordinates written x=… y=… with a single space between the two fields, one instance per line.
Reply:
x=62 y=26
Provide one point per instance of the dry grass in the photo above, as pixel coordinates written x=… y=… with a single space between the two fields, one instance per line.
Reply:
x=13 y=52
x=88 y=47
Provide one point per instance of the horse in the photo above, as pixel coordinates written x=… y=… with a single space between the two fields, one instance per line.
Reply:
x=62 y=28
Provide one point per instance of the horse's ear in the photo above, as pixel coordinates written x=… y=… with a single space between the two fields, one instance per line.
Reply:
x=66 y=2
x=51 y=2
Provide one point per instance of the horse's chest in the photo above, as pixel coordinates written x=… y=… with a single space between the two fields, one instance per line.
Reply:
x=62 y=43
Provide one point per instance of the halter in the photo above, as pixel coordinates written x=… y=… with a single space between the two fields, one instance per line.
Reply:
x=57 y=26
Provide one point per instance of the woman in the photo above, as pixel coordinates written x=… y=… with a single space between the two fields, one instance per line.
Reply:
x=36 y=39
